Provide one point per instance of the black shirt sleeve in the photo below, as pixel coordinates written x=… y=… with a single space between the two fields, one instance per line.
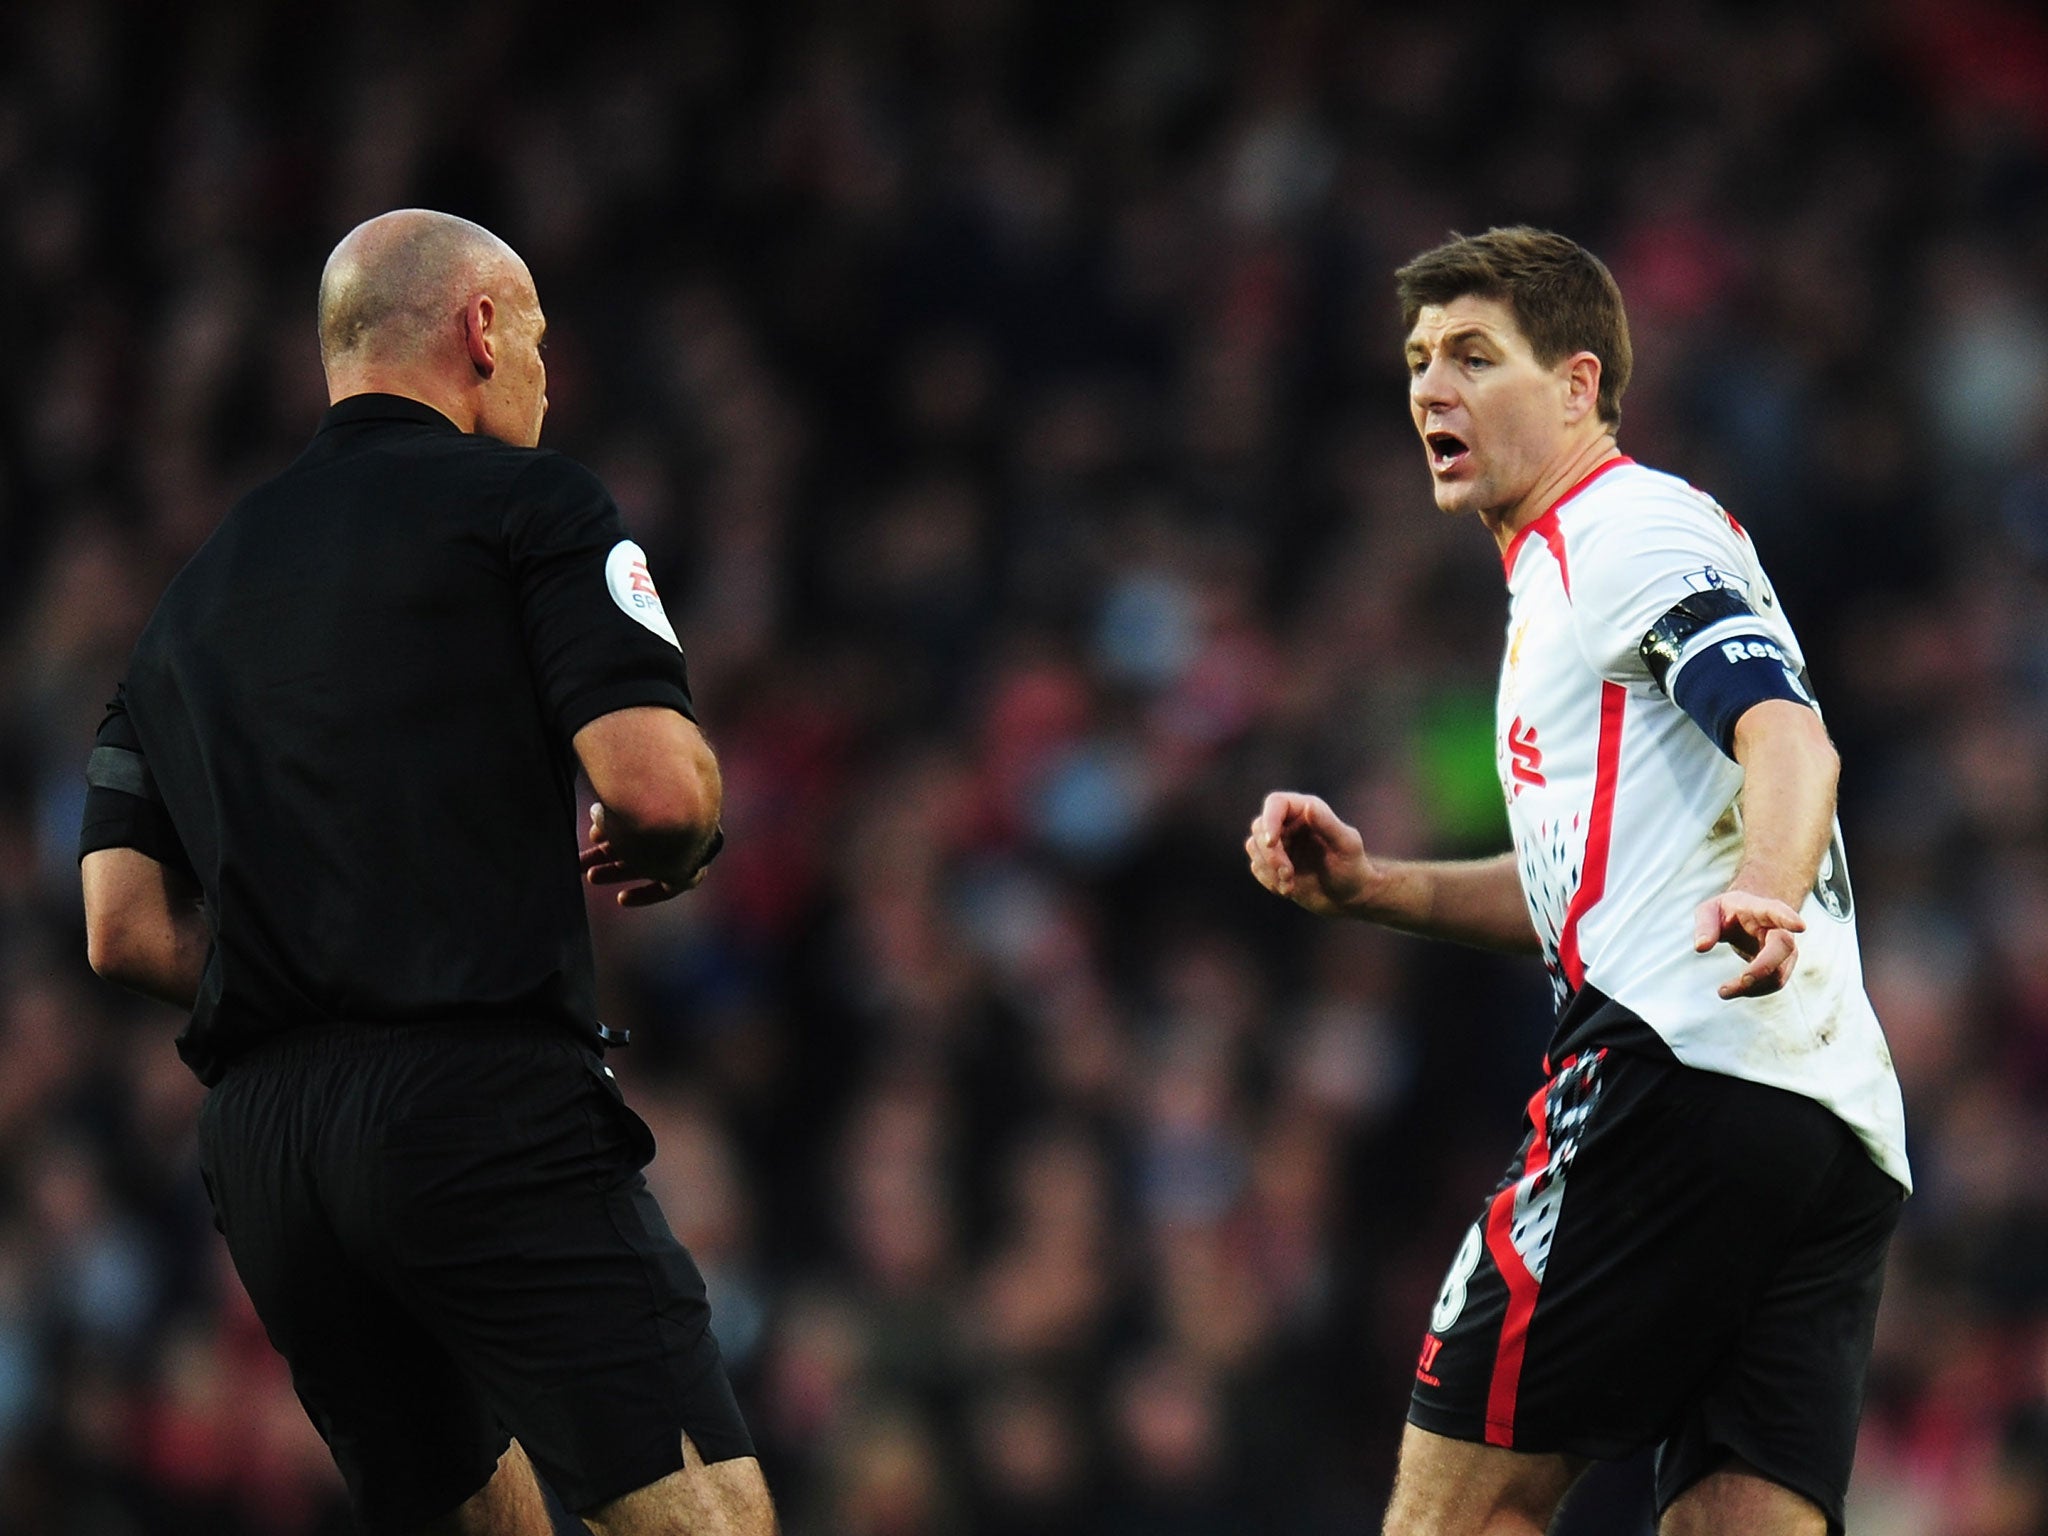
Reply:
x=122 y=806
x=595 y=629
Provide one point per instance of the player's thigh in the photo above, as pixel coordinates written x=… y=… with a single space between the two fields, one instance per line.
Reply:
x=524 y=1233
x=1446 y=1487
x=720 y=1498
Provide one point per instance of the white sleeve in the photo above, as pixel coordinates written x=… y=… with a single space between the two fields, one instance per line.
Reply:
x=1635 y=557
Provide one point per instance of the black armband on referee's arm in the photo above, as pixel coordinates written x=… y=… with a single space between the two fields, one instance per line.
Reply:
x=124 y=809
x=1717 y=678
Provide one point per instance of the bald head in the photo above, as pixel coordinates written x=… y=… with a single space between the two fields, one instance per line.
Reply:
x=430 y=306
x=393 y=291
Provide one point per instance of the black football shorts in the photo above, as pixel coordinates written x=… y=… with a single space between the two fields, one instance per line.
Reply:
x=1675 y=1258
x=445 y=1231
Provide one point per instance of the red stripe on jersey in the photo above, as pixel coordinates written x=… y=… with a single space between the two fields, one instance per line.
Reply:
x=1513 y=552
x=1522 y=1285
x=1547 y=523
x=1554 y=537
x=1599 y=832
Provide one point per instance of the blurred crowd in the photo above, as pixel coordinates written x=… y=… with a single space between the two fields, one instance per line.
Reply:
x=1007 y=393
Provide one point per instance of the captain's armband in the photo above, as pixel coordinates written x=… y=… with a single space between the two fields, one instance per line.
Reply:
x=1713 y=660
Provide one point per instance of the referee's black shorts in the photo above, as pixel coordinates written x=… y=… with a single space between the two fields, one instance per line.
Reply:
x=445 y=1231
x=1676 y=1258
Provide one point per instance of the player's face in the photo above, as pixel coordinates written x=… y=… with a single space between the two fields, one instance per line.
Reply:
x=1492 y=419
x=516 y=397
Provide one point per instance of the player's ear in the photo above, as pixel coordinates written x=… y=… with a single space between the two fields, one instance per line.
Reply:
x=479 y=316
x=1581 y=386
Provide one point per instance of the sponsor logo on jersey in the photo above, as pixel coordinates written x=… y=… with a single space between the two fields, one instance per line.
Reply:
x=632 y=588
x=1528 y=764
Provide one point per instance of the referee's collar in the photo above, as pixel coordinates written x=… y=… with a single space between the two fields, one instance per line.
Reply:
x=357 y=408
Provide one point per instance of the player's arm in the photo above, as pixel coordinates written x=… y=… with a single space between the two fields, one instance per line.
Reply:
x=1299 y=848
x=145 y=926
x=1717 y=661
x=1789 y=770
x=654 y=828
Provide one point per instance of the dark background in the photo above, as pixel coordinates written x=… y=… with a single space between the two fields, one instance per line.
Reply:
x=1008 y=397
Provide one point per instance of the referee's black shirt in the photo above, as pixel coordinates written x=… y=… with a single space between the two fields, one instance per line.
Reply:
x=350 y=720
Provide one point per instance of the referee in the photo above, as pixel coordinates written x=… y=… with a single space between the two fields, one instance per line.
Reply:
x=332 y=813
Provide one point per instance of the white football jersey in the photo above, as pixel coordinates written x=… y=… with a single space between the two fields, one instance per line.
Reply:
x=1626 y=815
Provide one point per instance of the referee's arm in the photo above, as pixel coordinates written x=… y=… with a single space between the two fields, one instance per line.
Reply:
x=145 y=928
x=145 y=919
x=659 y=796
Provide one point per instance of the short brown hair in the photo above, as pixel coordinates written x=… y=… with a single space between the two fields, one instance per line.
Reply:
x=1562 y=296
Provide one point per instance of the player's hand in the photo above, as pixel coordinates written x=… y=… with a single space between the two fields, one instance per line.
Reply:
x=1300 y=849
x=1757 y=928
x=604 y=864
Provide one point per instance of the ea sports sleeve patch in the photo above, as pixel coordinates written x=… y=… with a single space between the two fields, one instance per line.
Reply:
x=595 y=629
x=1711 y=657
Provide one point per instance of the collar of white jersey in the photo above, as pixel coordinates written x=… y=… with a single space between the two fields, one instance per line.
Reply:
x=1545 y=526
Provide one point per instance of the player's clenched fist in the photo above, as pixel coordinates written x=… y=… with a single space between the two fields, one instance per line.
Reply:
x=1300 y=849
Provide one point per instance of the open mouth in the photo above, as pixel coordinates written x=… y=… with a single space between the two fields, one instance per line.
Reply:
x=1446 y=450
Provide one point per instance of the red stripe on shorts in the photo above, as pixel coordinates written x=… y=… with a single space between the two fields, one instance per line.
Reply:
x=1522 y=1285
